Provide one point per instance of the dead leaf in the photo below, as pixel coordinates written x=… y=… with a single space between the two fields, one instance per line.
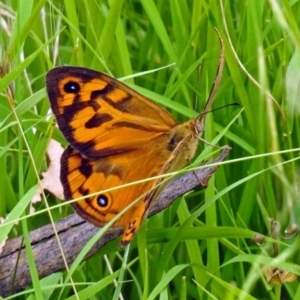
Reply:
x=278 y=276
x=51 y=178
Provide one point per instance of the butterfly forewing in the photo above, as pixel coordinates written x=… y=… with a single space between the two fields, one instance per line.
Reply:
x=92 y=109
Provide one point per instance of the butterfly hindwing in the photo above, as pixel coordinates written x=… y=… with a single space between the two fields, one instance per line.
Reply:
x=90 y=180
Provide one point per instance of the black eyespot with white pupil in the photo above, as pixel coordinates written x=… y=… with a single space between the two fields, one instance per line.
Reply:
x=102 y=200
x=72 y=87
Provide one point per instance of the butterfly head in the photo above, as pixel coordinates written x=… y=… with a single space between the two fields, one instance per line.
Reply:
x=200 y=123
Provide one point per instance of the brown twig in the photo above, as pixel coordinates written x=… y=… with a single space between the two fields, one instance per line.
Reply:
x=74 y=233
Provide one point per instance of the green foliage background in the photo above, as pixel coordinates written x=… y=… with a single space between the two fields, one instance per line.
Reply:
x=166 y=39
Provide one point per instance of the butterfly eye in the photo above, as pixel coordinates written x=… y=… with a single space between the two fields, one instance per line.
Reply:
x=72 y=87
x=102 y=200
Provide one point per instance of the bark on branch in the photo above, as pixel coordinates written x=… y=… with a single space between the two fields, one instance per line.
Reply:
x=74 y=233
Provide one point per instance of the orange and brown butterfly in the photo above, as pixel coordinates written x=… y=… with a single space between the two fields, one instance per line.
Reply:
x=117 y=136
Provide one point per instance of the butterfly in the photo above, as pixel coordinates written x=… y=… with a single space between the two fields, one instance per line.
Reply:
x=116 y=136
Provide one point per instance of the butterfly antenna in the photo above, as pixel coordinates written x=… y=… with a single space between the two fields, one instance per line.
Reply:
x=221 y=107
x=201 y=118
